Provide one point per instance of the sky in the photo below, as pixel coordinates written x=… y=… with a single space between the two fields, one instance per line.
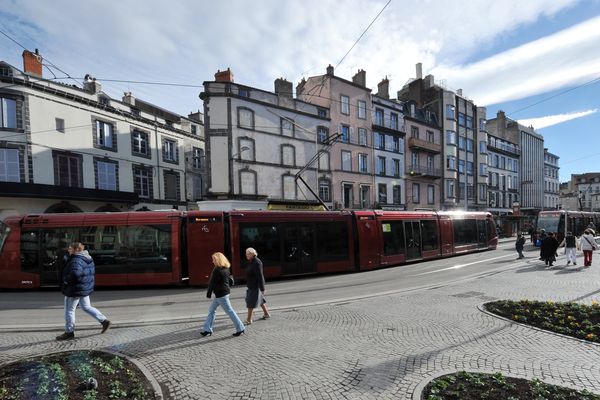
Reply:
x=537 y=60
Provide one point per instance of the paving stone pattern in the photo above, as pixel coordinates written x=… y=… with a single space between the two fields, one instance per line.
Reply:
x=384 y=347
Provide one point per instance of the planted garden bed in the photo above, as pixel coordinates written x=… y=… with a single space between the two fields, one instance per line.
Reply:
x=85 y=375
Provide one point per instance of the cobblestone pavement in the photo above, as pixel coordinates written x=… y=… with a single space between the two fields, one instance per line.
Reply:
x=378 y=348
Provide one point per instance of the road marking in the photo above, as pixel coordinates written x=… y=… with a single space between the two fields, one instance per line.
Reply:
x=464 y=265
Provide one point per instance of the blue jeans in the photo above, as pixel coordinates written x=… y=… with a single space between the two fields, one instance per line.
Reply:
x=226 y=305
x=71 y=305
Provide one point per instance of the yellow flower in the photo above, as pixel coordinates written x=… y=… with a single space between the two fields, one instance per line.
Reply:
x=590 y=336
x=571 y=318
x=549 y=302
x=594 y=303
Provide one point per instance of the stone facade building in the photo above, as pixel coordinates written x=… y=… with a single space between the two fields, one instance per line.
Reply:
x=551 y=181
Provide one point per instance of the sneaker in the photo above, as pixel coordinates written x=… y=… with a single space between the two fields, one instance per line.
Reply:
x=66 y=336
x=105 y=325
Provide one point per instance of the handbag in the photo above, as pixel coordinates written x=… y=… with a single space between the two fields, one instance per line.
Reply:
x=592 y=244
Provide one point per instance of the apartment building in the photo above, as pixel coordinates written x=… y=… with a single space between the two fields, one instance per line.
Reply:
x=351 y=158
x=458 y=119
x=388 y=150
x=65 y=148
x=551 y=181
x=586 y=189
x=504 y=154
x=424 y=158
x=259 y=144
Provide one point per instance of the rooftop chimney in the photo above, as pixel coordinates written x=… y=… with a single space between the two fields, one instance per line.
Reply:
x=501 y=123
x=32 y=63
x=459 y=92
x=90 y=85
x=128 y=98
x=330 y=70
x=360 y=78
x=224 y=76
x=283 y=88
x=419 y=70
x=383 y=88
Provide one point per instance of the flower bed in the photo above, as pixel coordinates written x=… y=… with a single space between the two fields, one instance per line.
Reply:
x=85 y=375
x=573 y=319
x=475 y=386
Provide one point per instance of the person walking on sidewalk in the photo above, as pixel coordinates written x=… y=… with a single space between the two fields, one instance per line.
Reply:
x=78 y=279
x=519 y=244
x=255 y=281
x=548 y=249
x=570 y=243
x=218 y=284
x=588 y=245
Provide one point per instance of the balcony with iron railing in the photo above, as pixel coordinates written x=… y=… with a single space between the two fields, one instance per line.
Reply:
x=424 y=171
x=424 y=145
x=509 y=150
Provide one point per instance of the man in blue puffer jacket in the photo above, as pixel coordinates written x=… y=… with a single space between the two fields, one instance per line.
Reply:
x=77 y=285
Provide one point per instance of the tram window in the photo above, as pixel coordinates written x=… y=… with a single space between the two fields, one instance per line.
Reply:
x=332 y=240
x=54 y=243
x=429 y=235
x=393 y=237
x=465 y=231
x=262 y=237
x=29 y=251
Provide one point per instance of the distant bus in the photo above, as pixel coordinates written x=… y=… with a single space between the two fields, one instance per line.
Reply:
x=175 y=248
x=562 y=221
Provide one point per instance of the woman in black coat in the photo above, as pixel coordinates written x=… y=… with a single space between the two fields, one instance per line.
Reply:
x=255 y=281
x=548 y=249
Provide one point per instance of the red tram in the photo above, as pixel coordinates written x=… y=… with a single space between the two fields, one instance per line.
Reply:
x=173 y=248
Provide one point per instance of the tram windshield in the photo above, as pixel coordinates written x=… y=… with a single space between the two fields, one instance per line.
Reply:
x=4 y=229
x=551 y=223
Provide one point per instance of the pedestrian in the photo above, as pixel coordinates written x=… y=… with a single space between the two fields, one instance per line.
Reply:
x=218 y=284
x=548 y=249
x=519 y=244
x=78 y=280
x=570 y=243
x=255 y=281
x=588 y=245
x=541 y=238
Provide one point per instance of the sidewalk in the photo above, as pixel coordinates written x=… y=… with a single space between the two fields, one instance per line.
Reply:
x=379 y=348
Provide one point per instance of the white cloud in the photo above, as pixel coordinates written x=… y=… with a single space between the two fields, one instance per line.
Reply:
x=187 y=41
x=549 y=120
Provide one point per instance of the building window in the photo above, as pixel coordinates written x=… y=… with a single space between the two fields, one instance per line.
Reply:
x=346 y=161
x=139 y=143
x=322 y=134
x=430 y=137
x=396 y=167
x=245 y=149
x=482 y=124
x=379 y=117
x=461 y=142
x=106 y=175
x=60 y=124
x=245 y=118
x=471 y=192
x=430 y=163
x=170 y=151
x=451 y=162
x=105 y=137
x=67 y=169
x=416 y=193
x=363 y=163
x=469 y=121
x=380 y=141
x=461 y=119
x=287 y=127
x=362 y=136
x=482 y=192
x=451 y=137
x=324 y=161
x=450 y=111
x=414 y=159
x=397 y=194
x=345 y=130
x=197 y=157
x=345 y=104
x=396 y=144
x=248 y=182
x=194 y=130
x=9 y=165
x=288 y=156
x=483 y=169
x=289 y=187
x=450 y=189
x=394 y=121
x=365 y=195
x=324 y=189
x=362 y=109
x=142 y=182
x=470 y=145
x=380 y=166
x=414 y=132
x=469 y=167
x=382 y=193
x=322 y=113
x=171 y=185
x=242 y=92
x=8 y=113
x=461 y=166
x=430 y=194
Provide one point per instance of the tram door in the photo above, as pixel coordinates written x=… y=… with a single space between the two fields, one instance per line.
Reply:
x=412 y=233
x=482 y=233
x=53 y=243
x=298 y=249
